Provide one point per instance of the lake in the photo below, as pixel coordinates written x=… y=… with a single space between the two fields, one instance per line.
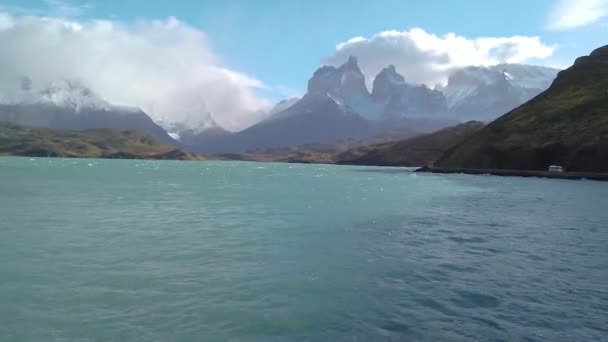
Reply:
x=128 y=250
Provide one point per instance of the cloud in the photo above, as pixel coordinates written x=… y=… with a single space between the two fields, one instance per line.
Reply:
x=426 y=58
x=166 y=67
x=572 y=14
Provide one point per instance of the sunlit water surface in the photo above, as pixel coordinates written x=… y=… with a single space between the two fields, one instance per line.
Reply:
x=109 y=250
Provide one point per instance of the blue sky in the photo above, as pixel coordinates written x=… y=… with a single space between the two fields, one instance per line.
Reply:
x=235 y=58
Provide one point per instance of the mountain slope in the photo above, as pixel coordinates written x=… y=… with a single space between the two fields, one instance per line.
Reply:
x=346 y=87
x=100 y=143
x=325 y=113
x=565 y=125
x=416 y=151
x=282 y=105
x=306 y=122
x=70 y=105
x=484 y=93
x=401 y=99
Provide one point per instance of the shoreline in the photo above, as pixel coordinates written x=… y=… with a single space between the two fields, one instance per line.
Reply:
x=518 y=173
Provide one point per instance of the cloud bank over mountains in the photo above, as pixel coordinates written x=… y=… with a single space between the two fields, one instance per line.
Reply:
x=166 y=67
x=426 y=58
x=170 y=69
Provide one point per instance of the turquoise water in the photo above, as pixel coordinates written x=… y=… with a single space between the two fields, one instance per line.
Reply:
x=112 y=250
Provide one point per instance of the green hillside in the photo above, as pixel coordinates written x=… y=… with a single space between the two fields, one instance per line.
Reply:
x=417 y=151
x=98 y=143
x=565 y=125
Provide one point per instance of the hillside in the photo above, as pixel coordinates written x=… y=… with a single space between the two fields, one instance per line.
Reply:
x=565 y=125
x=68 y=104
x=417 y=151
x=98 y=143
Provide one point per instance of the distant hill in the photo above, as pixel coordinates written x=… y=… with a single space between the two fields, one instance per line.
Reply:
x=97 y=143
x=565 y=125
x=323 y=124
x=324 y=152
x=416 y=151
x=397 y=148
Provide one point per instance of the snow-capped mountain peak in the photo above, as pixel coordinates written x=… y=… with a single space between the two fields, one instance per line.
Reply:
x=483 y=93
x=66 y=93
x=345 y=78
x=69 y=104
x=70 y=94
x=386 y=83
x=400 y=98
x=469 y=82
x=527 y=76
x=190 y=125
x=390 y=75
x=344 y=85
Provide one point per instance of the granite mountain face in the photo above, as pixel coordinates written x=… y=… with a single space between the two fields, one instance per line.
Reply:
x=401 y=99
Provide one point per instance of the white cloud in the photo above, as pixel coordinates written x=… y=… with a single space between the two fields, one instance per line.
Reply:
x=166 y=67
x=571 y=14
x=426 y=58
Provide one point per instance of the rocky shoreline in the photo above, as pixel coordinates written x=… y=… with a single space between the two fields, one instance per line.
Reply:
x=518 y=173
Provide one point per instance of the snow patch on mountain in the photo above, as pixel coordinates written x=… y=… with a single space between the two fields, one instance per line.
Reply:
x=484 y=93
x=190 y=125
x=345 y=86
x=471 y=93
x=65 y=93
x=401 y=99
x=528 y=76
x=72 y=93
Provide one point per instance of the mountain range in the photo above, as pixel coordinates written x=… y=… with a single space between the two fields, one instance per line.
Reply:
x=565 y=125
x=336 y=106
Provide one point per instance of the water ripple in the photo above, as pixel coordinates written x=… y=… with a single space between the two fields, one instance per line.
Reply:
x=165 y=251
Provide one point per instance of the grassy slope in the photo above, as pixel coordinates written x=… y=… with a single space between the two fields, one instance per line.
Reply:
x=565 y=125
x=98 y=143
x=417 y=151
